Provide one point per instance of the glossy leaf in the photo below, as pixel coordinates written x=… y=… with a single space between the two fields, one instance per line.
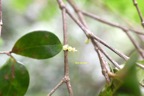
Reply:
x=38 y=45
x=14 y=79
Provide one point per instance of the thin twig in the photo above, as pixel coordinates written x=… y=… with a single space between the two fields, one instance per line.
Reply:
x=82 y=20
x=89 y=34
x=135 y=44
x=65 y=42
x=126 y=30
x=142 y=85
x=6 y=52
x=66 y=78
x=65 y=36
x=80 y=15
x=114 y=50
x=96 y=46
x=139 y=12
x=140 y=65
x=102 y=62
x=56 y=87
x=110 y=23
x=78 y=11
x=0 y=17
x=108 y=57
x=68 y=84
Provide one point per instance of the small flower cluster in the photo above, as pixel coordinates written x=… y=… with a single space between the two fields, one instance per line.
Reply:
x=69 y=48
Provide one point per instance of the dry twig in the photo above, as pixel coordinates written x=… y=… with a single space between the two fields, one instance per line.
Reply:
x=95 y=44
x=66 y=78
x=81 y=18
x=95 y=41
x=0 y=17
x=90 y=34
x=139 y=12
x=102 y=62
x=110 y=23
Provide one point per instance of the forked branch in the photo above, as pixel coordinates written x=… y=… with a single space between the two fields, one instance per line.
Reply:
x=96 y=41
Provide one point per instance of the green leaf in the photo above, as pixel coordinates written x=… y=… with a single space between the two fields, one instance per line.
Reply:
x=125 y=82
x=128 y=83
x=107 y=91
x=38 y=45
x=140 y=73
x=14 y=79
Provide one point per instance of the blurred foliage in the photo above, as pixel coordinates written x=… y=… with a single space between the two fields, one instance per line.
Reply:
x=21 y=5
x=49 y=11
x=47 y=8
x=125 y=8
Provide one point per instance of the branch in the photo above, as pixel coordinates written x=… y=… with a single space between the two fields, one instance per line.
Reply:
x=108 y=57
x=89 y=34
x=65 y=42
x=126 y=30
x=80 y=15
x=140 y=65
x=66 y=65
x=139 y=12
x=66 y=78
x=6 y=52
x=0 y=17
x=114 y=50
x=110 y=23
x=81 y=18
x=102 y=62
x=135 y=44
x=56 y=87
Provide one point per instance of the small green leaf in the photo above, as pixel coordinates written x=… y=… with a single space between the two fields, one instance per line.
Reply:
x=38 y=45
x=14 y=79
